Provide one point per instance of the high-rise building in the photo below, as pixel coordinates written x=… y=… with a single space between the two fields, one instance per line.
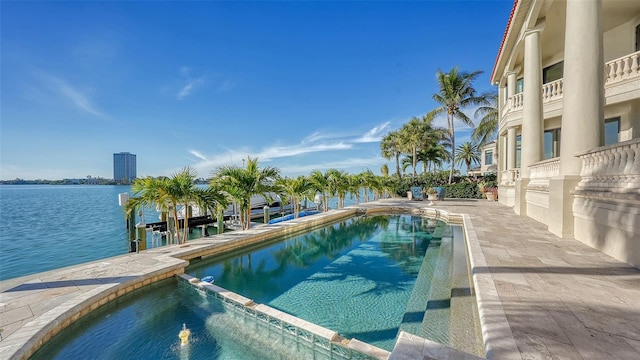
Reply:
x=124 y=167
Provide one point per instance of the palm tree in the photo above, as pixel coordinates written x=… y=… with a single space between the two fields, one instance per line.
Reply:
x=407 y=161
x=320 y=182
x=339 y=185
x=243 y=183
x=366 y=181
x=169 y=193
x=456 y=92
x=488 y=126
x=391 y=146
x=384 y=170
x=437 y=155
x=355 y=182
x=468 y=153
x=296 y=189
x=412 y=134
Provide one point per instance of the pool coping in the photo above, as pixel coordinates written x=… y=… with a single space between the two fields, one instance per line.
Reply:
x=171 y=260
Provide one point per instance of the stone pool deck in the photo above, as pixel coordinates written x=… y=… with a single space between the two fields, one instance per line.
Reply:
x=559 y=298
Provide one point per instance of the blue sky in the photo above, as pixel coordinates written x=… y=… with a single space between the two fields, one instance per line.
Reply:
x=300 y=85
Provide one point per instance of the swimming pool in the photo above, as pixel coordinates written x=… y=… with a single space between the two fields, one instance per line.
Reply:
x=366 y=278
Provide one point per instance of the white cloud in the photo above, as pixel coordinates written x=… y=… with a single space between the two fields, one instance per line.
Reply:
x=190 y=83
x=351 y=163
x=198 y=155
x=317 y=142
x=64 y=90
x=375 y=134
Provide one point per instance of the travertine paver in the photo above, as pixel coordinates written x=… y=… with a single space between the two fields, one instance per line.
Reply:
x=562 y=299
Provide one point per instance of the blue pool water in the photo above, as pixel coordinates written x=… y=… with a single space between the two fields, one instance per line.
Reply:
x=145 y=325
x=356 y=277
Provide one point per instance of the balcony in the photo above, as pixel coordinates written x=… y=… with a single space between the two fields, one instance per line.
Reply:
x=621 y=69
x=622 y=83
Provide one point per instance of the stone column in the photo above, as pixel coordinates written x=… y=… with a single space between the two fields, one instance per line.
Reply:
x=501 y=150
x=511 y=83
x=531 y=138
x=582 y=107
x=511 y=148
x=532 y=129
x=583 y=98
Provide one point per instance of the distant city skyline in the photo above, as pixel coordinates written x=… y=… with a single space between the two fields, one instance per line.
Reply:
x=299 y=85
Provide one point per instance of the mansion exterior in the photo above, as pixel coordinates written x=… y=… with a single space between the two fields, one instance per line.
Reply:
x=568 y=73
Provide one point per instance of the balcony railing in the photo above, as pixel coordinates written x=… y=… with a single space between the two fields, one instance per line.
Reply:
x=552 y=91
x=517 y=101
x=509 y=177
x=615 y=71
x=542 y=172
x=612 y=168
x=626 y=67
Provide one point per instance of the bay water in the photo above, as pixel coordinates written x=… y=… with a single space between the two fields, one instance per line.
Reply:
x=45 y=227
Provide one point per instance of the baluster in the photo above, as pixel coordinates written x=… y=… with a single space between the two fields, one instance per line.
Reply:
x=620 y=158
x=634 y=64
x=589 y=159
x=626 y=67
x=618 y=69
x=561 y=87
x=611 y=73
x=601 y=166
x=627 y=177
x=635 y=169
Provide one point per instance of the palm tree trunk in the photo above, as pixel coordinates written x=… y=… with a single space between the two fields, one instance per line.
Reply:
x=415 y=161
x=453 y=145
x=177 y=222
x=398 y=164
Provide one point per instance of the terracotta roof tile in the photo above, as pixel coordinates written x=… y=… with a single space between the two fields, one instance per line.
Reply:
x=504 y=36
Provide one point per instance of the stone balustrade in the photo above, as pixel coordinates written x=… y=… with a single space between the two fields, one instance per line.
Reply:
x=623 y=68
x=542 y=172
x=612 y=168
x=509 y=177
x=552 y=91
x=517 y=101
x=616 y=71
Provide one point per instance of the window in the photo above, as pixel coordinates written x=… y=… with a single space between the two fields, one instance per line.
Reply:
x=611 y=130
x=488 y=157
x=518 y=149
x=553 y=72
x=519 y=86
x=551 y=143
x=638 y=37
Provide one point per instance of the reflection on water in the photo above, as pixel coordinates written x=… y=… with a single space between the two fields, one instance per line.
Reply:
x=354 y=277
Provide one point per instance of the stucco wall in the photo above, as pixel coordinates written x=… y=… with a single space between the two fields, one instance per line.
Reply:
x=611 y=227
x=618 y=42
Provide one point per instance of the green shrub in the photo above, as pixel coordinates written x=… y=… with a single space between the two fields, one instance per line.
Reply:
x=463 y=190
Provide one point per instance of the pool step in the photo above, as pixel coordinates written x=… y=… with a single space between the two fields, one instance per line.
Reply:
x=436 y=315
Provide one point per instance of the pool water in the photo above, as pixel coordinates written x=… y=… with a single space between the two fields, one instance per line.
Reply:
x=355 y=277
x=365 y=278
